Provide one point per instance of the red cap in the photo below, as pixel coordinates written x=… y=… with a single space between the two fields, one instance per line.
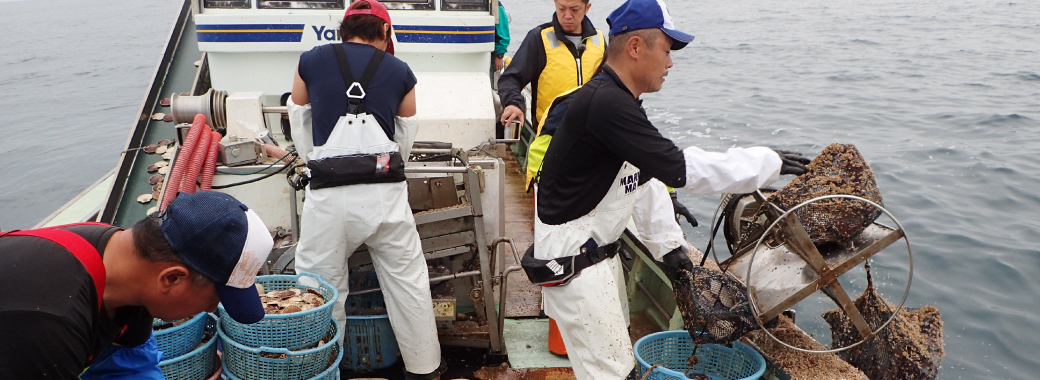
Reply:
x=378 y=10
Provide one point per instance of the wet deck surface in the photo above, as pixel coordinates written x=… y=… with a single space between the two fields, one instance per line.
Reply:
x=523 y=299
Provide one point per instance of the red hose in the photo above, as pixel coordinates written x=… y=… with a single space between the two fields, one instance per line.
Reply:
x=183 y=159
x=209 y=169
x=198 y=159
x=276 y=153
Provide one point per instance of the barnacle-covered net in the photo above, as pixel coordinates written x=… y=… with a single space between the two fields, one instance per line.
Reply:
x=911 y=347
x=838 y=169
x=715 y=303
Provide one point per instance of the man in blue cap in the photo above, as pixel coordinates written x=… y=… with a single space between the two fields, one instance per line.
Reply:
x=84 y=295
x=607 y=163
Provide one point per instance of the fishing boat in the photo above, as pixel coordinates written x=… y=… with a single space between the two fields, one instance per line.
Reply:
x=233 y=61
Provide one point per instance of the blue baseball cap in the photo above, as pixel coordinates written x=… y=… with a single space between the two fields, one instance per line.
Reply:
x=646 y=14
x=218 y=236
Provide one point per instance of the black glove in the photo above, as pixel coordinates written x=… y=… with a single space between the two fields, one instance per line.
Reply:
x=793 y=162
x=675 y=260
x=682 y=211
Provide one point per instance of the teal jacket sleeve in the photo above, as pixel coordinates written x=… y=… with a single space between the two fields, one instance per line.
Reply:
x=126 y=363
x=502 y=31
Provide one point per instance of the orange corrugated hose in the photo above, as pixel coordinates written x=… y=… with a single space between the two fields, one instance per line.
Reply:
x=198 y=160
x=183 y=160
x=209 y=169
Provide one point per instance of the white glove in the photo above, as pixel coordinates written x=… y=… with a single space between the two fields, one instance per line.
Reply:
x=404 y=134
x=300 y=127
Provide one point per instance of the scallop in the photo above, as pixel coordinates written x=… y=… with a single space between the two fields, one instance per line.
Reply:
x=163 y=170
x=161 y=164
x=168 y=155
x=152 y=210
x=158 y=116
x=161 y=149
x=144 y=198
x=164 y=142
x=156 y=194
x=152 y=169
x=292 y=309
x=155 y=179
x=150 y=148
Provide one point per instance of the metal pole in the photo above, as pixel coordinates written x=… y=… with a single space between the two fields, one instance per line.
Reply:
x=432 y=280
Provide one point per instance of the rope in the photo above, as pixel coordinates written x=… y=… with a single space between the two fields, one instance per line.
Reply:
x=649 y=371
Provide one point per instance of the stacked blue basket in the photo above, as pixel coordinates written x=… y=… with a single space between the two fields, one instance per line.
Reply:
x=369 y=342
x=672 y=349
x=178 y=340
x=309 y=340
x=267 y=363
x=199 y=363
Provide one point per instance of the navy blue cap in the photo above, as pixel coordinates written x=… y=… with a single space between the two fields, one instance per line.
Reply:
x=218 y=236
x=646 y=14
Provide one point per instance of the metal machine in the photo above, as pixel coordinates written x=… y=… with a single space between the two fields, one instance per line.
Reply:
x=776 y=260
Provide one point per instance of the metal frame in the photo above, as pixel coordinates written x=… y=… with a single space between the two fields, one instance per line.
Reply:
x=828 y=276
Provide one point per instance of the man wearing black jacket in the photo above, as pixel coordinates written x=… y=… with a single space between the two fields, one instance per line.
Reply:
x=554 y=57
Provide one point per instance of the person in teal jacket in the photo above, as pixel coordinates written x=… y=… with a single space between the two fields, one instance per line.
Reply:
x=501 y=37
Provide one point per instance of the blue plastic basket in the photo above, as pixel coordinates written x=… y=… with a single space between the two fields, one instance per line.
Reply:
x=293 y=331
x=249 y=363
x=179 y=340
x=198 y=364
x=331 y=373
x=369 y=342
x=672 y=350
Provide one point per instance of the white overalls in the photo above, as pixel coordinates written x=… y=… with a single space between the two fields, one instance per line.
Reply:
x=337 y=220
x=592 y=310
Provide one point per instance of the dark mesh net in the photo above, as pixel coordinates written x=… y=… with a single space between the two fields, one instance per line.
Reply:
x=838 y=169
x=911 y=347
x=713 y=303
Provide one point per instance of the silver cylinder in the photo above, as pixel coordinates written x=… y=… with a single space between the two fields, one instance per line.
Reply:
x=211 y=105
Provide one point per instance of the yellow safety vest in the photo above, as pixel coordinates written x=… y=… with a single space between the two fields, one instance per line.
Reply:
x=562 y=71
x=536 y=151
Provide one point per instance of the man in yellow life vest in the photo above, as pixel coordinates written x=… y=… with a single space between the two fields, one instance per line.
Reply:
x=554 y=58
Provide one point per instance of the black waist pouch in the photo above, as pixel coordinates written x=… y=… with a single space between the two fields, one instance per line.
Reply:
x=356 y=169
x=560 y=271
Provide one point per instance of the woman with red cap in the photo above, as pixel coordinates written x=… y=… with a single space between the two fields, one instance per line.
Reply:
x=352 y=112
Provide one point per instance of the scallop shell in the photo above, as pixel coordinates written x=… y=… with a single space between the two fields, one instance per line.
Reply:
x=156 y=194
x=163 y=170
x=164 y=142
x=280 y=294
x=161 y=164
x=167 y=117
x=294 y=299
x=150 y=148
x=306 y=307
x=152 y=210
x=272 y=310
x=296 y=291
x=292 y=309
x=152 y=168
x=313 y=299
x=161 y=149
x=158 y=116
x=144 y=198
x=155 y=179
x=168 y=155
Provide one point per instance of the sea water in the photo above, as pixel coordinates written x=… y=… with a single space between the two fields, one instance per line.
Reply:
x=941 y=97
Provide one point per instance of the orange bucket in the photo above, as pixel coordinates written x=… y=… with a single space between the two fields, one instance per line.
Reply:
x=556 y=345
